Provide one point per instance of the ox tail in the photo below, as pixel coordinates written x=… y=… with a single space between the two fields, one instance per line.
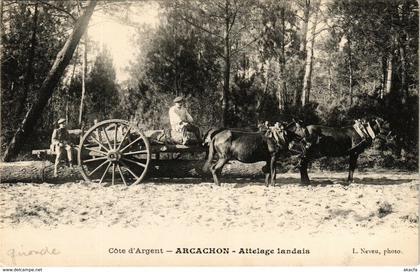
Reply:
x=209 y=140
x=210 y=156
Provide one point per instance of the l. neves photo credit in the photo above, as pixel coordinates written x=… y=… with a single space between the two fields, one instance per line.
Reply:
x=209 y=132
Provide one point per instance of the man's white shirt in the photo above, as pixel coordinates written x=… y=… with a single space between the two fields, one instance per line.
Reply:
x=179 y=117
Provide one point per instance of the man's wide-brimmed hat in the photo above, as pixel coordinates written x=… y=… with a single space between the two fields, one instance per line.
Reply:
x=178 y=99
x=61 y=120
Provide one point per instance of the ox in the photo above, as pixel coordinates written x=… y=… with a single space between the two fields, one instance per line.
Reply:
x=322 y=141
x=246 y=147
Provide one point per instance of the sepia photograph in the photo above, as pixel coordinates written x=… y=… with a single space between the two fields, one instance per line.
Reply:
x=209 y=133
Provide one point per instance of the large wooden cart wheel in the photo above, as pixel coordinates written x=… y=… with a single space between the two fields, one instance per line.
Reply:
x=114 y=151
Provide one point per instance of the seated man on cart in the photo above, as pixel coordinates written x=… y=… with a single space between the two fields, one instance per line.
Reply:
x=182 y=128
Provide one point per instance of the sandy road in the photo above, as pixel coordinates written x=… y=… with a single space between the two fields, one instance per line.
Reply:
x=386 y=200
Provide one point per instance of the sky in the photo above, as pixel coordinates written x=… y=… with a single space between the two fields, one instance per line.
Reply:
x=109 y=32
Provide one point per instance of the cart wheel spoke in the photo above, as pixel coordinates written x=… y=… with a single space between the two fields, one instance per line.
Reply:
x=121 y=174
x=115 y=136
x=135 y=152
x=124 y=137
x=96 y=169
x=96 y=159
x=99 y=143
x=136 y=162
x=107 y=138
x=104 y=174
x=133 y=142
x=96 y=150
x=129 y=170
x=113 y=173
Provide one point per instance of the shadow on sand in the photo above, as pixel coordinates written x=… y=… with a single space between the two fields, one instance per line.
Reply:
x=281 y=181
x=240 y=182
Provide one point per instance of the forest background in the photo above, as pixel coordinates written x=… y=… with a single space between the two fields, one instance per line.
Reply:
x=238 y=62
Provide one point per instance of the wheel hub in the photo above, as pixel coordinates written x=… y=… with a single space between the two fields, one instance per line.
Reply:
x=114 y=155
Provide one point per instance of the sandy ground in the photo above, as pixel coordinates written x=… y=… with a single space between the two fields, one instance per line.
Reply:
x=374 y=202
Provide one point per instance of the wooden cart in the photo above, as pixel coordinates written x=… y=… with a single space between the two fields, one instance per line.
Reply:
x=119 y=152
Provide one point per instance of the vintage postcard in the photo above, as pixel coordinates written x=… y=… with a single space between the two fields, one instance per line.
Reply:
x=209 y=133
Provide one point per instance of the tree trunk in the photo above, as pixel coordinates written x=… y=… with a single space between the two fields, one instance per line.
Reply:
x=404 y=86
x=281 y=96
x=393 y=15
x=47 y=88
x=175 y=52
x=226 y=70
x=389 y=74
x=267 y=76
x=305 y=23
x=260 y=102
x=84 y=72
x=402 y=44
x=307 y=79
x=329 y=79
x=384 y=76
x=69 y=85
x=43 y=171
x=306 y=15
x=350 y=70
x=29 y=74
x=1 y=18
